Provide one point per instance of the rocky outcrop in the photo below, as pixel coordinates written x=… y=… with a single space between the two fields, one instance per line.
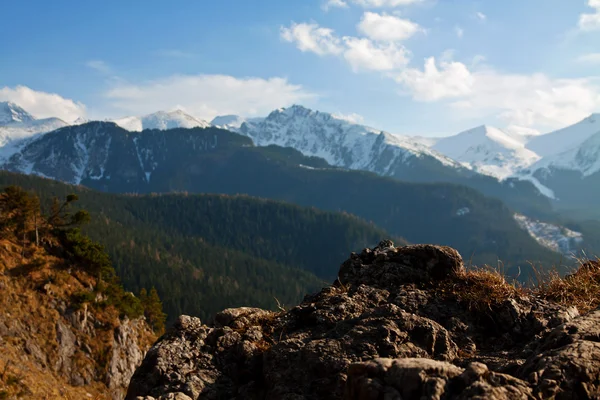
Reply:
x=56 y=348
x=391 y=327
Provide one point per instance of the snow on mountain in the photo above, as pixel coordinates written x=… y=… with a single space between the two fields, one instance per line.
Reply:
x=552 y=236
x=521 y=133
x=565 y=139
x=17 y=125
x=12 y=113
x=80 y=121
x=338 y=141
x=161 y=120
x=133 y=124
x=229 y=122
x=488 y=150
x=584 y=158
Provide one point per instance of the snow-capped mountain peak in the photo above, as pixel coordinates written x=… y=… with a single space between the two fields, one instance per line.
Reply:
x=584 y=158
x=12 y=113
x=567 y=138
x=340 y=142
x=161 y=120
x=228 y=122
x=17 y=126
x=488 y=150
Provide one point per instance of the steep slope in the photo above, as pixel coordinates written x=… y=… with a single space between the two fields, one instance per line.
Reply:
x=108 y=158
x=358 y=147
x=63 y=332
x=488 y=150
x=566 y=138
x=161 y=120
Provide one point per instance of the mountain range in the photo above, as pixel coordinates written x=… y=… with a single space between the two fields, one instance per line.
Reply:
x=145 y=158
x=519 y=157
x=514 y=165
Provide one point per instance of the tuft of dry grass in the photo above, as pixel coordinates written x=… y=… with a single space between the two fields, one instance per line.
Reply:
x=480 y=288
x=580 y=289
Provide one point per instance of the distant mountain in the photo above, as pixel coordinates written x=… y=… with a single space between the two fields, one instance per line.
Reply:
x=161 y=120
x=103 y=156
x=565 y=139
x=17 y=125
x=354 y=146
x=488 y=150
x=513 y=165
x=572 y=176
x=342 y=143
x=229 y=122
x=13 y=113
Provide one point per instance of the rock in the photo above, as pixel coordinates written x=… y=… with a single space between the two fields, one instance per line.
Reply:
x=389 y=266
x=126 y=356
x=415 y=378
x=383 y=330
x=32 y=348
x=66 y=348
x=567 y=361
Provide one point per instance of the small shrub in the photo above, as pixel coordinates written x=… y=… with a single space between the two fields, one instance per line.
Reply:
x=78 y=299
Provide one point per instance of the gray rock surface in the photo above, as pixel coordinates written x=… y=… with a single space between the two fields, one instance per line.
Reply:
x=383 y=330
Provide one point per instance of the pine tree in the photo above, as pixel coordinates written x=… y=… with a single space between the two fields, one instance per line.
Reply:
x=153 y=310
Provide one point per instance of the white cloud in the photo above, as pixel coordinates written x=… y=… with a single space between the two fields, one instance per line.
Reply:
x=364 y=54
x=360 y=53
x=207 y=96
x=352 y=118
x=42 y=104
x=481 y=16
x=534 y=100
x=312 y=37
x=385 y=3
x=386 y=27
x=452 y=79
x=460 y=32
x=334 y=4
x=591 y=58
x=591 y=22
x=99 y=66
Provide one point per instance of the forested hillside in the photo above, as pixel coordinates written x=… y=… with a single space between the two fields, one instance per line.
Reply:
x=204 y=253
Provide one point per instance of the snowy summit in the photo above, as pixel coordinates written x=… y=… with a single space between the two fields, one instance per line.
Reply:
x=161 y=120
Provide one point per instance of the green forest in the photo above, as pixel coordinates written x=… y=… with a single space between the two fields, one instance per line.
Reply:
x=204 y=253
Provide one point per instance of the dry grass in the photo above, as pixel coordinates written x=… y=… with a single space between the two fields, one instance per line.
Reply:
x=580 y=289
x=480 y=288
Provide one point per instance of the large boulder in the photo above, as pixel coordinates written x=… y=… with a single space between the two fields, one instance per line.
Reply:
x=386 y=329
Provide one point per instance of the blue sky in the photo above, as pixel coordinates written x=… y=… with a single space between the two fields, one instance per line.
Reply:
x=426 y=67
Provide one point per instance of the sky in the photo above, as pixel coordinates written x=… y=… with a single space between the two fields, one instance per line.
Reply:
x=414 y=67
